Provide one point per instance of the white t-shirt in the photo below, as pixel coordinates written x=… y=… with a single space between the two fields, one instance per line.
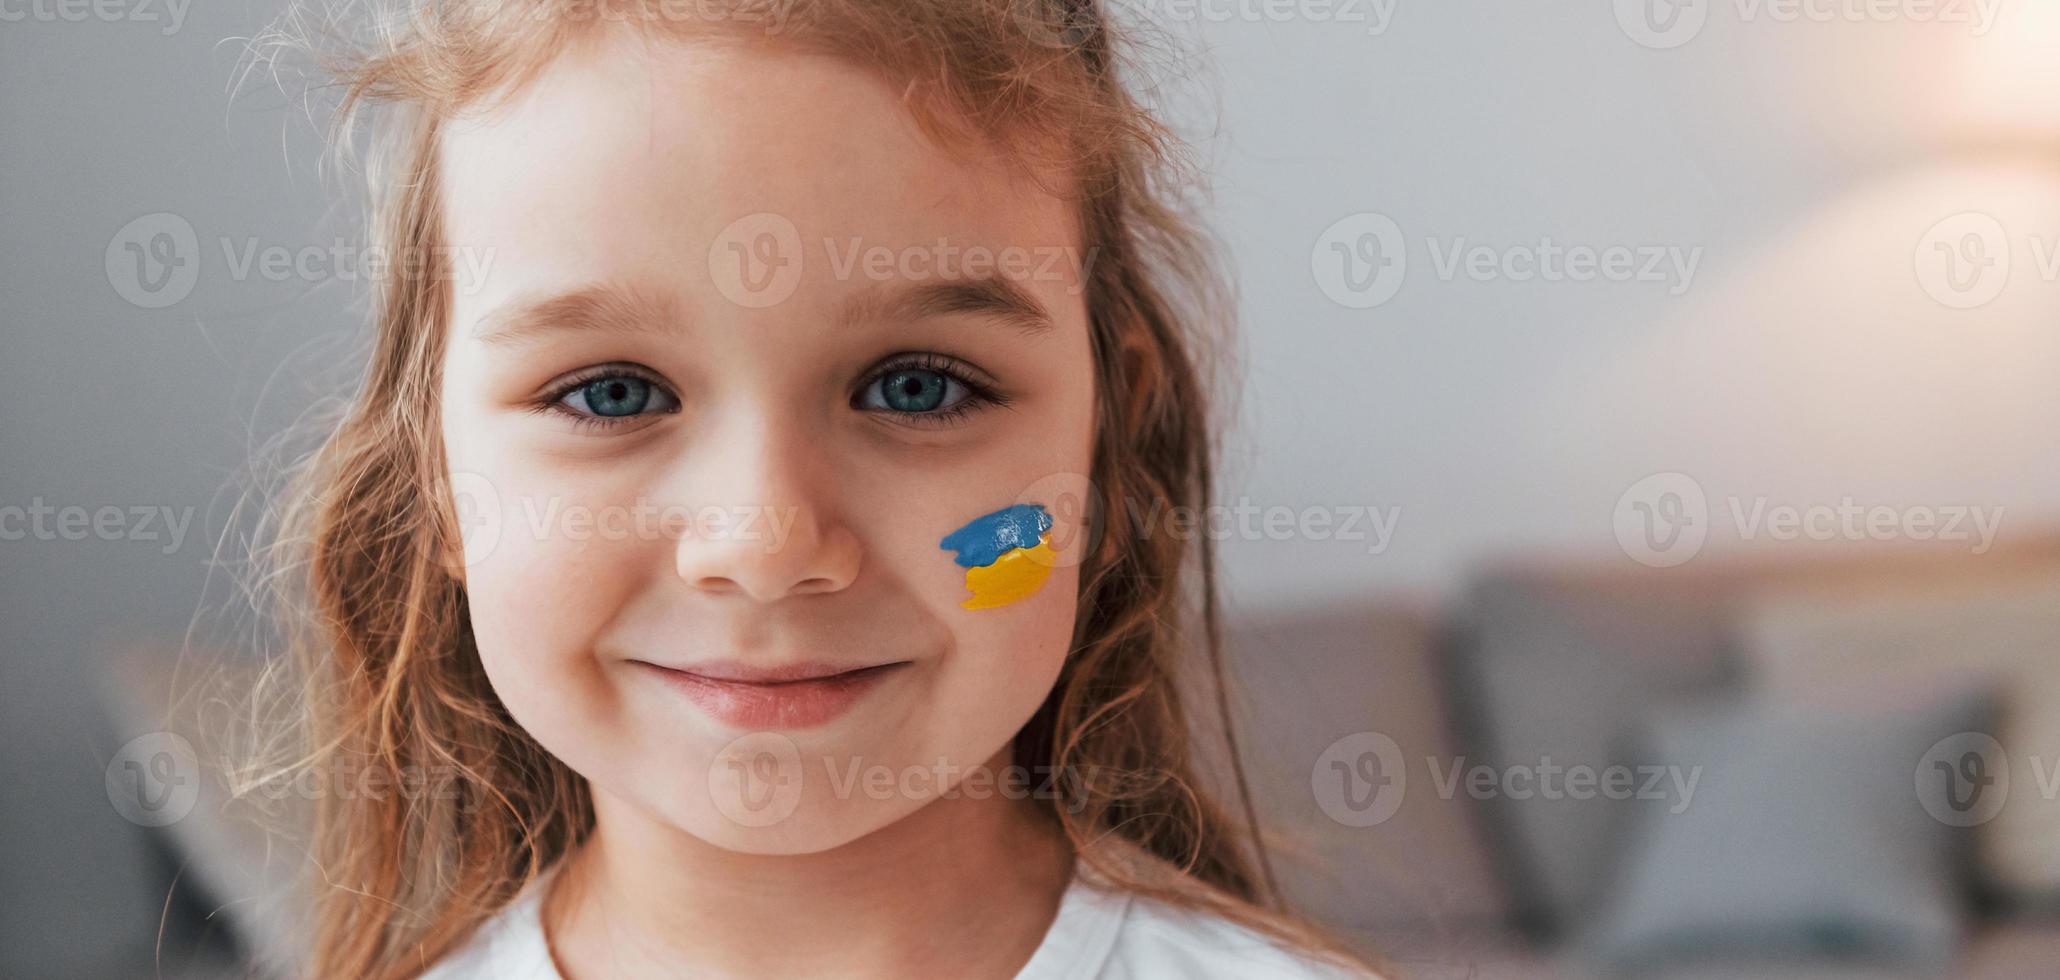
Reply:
x=1101 y=933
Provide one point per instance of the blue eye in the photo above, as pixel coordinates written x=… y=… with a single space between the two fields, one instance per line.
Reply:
x=928 y=389
x=915 y=391
x=610 y=397
x=615 y=397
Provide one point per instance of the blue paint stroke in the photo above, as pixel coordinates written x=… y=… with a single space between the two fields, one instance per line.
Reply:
x=983 y=541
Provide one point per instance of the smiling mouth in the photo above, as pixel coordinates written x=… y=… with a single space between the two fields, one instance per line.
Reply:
x=732 y=672
x=792 y=697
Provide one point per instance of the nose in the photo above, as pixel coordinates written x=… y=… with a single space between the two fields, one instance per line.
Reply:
x=766 y=525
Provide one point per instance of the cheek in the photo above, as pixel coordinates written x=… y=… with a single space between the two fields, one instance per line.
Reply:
x=537 y=596
x=538 y=604
x=1012 y=618
x=534 y=635
x=1006 y=659
x=525 y=610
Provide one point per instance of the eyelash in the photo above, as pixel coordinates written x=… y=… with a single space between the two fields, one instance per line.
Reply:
x=979 y=394
x=553 y=400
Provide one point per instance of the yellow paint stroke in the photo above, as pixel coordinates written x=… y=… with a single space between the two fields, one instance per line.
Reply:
x=1013 y=576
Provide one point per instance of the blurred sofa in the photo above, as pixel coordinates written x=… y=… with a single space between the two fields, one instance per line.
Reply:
x=1579 y=663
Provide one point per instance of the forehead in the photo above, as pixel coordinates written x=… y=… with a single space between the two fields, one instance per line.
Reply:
x=630 y=159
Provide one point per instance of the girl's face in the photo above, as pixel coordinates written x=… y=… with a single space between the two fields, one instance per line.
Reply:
x=734 y=347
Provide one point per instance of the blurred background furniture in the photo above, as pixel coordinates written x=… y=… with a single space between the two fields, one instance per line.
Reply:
x=1563 y=665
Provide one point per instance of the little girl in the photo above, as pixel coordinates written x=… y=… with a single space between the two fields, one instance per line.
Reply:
x=739 y=525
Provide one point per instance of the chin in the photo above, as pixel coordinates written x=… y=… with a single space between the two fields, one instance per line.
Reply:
x=809 y=829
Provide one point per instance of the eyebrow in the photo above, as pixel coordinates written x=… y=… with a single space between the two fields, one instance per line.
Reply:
x=622 y=308
x=599 y=306
x=1000 y=300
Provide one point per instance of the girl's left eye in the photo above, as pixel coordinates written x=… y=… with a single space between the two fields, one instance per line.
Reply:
x=924 y=393
x=915 y=391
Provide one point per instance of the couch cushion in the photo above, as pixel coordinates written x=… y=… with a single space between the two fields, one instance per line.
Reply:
x=1817 y=643
x=1312 y=688
x=1553 y=658
x=1547 y=675
x=1801 y=839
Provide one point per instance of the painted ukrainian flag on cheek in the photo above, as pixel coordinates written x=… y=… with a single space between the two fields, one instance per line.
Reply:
x=1007 y=555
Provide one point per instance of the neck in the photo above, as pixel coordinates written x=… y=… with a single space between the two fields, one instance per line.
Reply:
x=644 y=898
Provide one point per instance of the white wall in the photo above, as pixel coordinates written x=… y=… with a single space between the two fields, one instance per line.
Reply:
x=1803 y=362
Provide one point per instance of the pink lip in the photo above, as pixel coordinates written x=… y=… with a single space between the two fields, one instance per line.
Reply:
x=791 y=697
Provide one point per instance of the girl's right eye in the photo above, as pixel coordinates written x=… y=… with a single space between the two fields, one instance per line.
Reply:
x=611 y=396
